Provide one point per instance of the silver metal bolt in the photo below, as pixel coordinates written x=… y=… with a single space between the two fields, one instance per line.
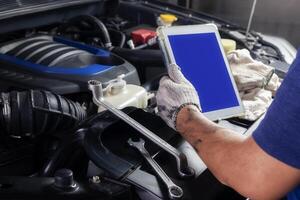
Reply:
x=96 y=179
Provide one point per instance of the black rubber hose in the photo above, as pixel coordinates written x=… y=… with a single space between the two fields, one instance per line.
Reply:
x=141 y=57
x=123 y=40
x=96 y=24
x=34 y=112
x=146 y=57
x=96 y=33
x=70 y=144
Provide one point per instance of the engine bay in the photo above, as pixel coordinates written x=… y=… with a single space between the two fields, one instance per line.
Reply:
x=55 y=142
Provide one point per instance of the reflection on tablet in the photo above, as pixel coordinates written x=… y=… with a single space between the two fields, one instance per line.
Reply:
x=201 y=61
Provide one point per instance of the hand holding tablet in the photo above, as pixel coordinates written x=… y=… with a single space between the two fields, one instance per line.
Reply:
x=197 y=50
x=174 y=92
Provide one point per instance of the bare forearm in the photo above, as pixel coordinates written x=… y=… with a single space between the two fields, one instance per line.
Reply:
x=235 y=160
x=215 y=145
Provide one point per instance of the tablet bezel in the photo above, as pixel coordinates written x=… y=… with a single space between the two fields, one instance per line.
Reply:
x=164 y=32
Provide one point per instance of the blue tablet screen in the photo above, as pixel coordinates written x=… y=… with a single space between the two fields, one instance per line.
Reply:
x=201 y=61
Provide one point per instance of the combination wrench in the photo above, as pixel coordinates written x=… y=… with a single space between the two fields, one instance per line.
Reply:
x=174 y=191
x=183 y=169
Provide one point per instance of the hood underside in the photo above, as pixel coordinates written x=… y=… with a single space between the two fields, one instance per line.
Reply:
x=12 y=8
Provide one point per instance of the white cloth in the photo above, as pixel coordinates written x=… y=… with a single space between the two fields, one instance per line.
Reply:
x=173 y=93
x=256 y=82
x=256 y=103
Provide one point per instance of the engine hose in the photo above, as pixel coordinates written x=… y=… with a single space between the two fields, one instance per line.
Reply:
x=123 y=40
x=68 y=146
x=96 y=33
x=96 y=23
x=34 y=112
x=148 y=57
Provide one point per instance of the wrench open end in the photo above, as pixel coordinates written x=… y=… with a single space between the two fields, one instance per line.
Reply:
x=175 y=192
x=137 y=144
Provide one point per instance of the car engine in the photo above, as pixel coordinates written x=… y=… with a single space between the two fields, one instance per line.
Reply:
x=55 y=142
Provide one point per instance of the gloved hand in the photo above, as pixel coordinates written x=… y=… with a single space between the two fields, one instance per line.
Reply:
x=175 y=92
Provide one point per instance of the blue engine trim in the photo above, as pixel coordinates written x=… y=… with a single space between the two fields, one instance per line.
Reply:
x=85 y=71
x=89 y=70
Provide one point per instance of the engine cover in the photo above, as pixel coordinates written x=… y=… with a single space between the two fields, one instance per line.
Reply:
x=59 y=65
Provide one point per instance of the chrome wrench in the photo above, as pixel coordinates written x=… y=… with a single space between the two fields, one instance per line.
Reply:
x=182 y=165
x=175 y=192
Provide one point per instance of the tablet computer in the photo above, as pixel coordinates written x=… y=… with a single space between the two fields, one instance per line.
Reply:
x=198 y=51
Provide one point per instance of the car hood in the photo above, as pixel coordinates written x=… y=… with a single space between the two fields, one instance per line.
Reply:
x=11 y=8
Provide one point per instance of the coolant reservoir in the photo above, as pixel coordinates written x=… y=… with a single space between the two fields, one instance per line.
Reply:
x=122 y=95
x=228 y=45
x=166 y=19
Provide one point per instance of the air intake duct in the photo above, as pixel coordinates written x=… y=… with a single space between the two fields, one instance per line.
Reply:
x=34 y=112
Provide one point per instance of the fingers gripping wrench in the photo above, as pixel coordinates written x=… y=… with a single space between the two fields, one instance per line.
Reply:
x=182 y=165
x=175 y=192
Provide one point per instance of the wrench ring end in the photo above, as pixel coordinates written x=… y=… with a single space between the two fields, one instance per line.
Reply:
x=187 y=173
x=175 y=192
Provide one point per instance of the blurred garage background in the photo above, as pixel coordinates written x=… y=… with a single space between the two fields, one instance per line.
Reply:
x=274 y=17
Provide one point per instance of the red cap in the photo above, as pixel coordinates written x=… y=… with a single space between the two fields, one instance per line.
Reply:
x=141 y=36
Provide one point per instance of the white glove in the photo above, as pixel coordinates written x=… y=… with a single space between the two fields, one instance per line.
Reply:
x=173 y=94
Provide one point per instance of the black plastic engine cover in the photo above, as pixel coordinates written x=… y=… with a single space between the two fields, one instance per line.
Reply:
x=106 y=139
x=106 y=145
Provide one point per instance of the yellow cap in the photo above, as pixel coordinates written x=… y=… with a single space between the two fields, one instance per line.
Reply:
x=228 y=45
x=168 y=18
